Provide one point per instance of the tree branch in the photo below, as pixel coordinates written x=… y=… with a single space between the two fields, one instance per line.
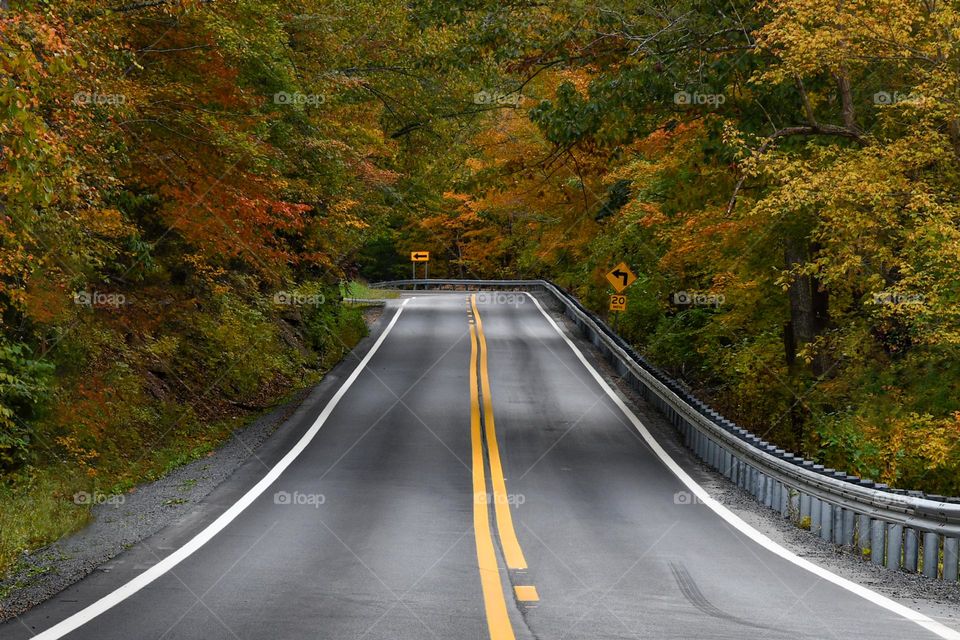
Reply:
x=817 y=130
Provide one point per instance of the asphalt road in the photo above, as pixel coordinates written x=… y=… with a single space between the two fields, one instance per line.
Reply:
x=472 y=480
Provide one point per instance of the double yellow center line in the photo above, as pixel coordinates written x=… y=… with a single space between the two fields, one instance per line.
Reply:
x=498 y=620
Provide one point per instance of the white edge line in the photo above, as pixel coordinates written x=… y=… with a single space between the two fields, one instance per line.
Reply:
x=169 y=562
x=740 y=525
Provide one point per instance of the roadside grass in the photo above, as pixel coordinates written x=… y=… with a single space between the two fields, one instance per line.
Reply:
x=37 y=507
x=362 y=291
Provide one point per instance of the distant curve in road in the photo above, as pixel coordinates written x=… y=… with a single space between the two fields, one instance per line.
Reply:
x=467 y=474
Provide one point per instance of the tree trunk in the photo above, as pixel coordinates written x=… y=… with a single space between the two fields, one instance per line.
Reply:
x=846 y=100
x=809 y=306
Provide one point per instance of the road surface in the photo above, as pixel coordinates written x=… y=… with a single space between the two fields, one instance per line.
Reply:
x=463 y=475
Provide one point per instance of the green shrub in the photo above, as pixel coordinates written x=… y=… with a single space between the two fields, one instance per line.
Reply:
x=24 y=388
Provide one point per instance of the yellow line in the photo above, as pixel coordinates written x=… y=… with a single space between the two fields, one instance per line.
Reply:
x=494 y=602
x=526 y=593
x=512 y=552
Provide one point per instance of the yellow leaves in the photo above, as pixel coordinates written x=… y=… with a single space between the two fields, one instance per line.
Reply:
x=458 y=198
x=475 y=164
x=344 y=206
x=78 y=454
x=108 y=223
x=914 y=443
x=810 y=37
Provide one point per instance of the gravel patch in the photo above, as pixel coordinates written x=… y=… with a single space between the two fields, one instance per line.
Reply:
x=935 y=598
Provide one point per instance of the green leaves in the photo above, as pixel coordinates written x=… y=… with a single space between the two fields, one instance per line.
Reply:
x=24 y=388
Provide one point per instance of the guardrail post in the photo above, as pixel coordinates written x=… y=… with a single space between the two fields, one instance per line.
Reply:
x=931 y=554
x=951 y=552
x=816 y=515
x=878 y=530
x=863 y=533
x=806 y=511
x=837 y=525
x=894 y=545
x=826 y=521
x=911 y=549
x=849 y=527
x=768 y=491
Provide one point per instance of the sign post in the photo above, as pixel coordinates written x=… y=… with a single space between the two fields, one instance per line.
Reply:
x=420 y=256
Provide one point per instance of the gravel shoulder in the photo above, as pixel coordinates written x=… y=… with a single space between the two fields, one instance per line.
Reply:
x=934 y=598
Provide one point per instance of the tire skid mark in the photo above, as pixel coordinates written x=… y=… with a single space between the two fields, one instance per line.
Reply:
x=690 y=590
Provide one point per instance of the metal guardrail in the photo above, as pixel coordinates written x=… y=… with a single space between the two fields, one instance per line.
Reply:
x=898 y=529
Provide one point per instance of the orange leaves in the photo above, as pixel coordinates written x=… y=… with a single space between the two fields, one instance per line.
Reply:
x=227 y=223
